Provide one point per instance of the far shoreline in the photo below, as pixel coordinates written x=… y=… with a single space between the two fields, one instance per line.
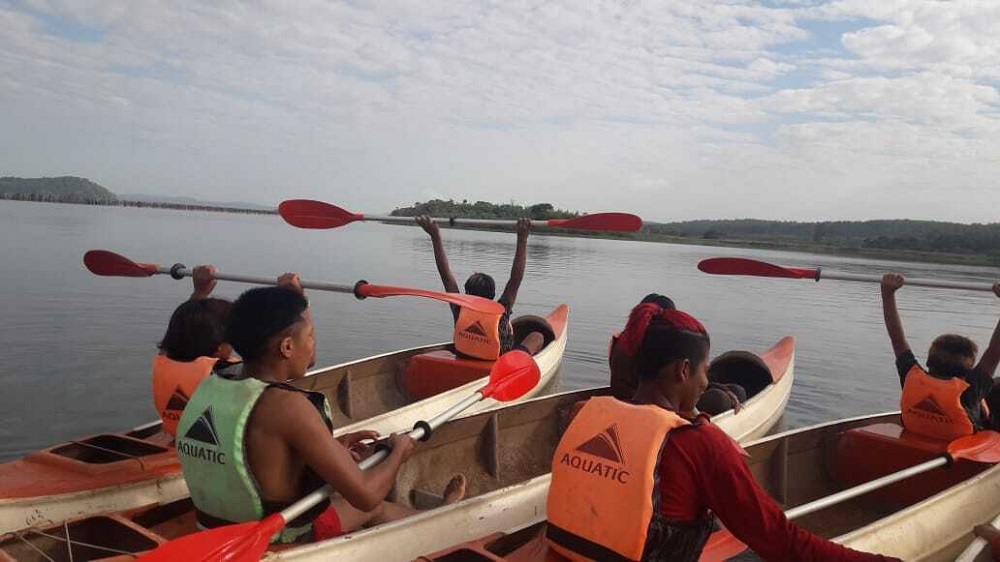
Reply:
x=814 y=248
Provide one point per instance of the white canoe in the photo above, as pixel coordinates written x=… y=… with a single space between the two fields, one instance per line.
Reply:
x=119 y=471
x=523 y=501
x=505 y=454
x=927 y=517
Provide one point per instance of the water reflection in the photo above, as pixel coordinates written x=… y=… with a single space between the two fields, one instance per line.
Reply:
x=76 y=348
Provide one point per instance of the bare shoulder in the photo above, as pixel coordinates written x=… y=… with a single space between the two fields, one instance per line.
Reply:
x=282 y=410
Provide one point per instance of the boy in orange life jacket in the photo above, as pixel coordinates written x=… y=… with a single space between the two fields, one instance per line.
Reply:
x=945 y=401
x=191 y=348
x=482 y=285
x=699 y=470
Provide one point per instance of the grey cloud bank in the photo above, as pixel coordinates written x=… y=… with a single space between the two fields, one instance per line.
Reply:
x=675 y=110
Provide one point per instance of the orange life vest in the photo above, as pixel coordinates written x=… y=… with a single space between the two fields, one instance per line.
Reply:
x=173 y=384
x=933 y=406
x=477 y=334
x=603 y=497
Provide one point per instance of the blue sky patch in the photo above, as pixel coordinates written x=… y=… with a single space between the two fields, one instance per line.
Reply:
x=66 y=28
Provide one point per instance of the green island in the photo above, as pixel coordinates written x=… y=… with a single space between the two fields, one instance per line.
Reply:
x=903 y=239
x=906 y=240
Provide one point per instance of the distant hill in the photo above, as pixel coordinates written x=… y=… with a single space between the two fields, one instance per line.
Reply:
x=64 y=189
x=143 y=198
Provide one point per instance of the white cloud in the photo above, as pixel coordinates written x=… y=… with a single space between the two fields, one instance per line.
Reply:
x=676 y=110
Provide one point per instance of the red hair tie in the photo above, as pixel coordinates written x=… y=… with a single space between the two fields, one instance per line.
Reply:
x=643 y=315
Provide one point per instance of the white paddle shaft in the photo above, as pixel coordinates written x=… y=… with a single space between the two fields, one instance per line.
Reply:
x=475 y=222
x=318 y=286
x=823 y=503
x=917 y=282
x=307 y=502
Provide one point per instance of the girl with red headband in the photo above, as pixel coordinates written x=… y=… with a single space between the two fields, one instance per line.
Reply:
x=642 y=480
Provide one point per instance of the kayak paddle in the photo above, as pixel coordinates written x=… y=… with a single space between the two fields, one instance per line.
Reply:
x=513 y=374
x=982 y=447
x=110 y=264
x=757 y=268
x=307 y=213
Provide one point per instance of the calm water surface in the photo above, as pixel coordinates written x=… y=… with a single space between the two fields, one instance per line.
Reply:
x=75 y=349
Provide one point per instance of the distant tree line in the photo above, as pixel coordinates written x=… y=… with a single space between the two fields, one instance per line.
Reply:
x=909 y=235
x=483 y=210
x=81 y=191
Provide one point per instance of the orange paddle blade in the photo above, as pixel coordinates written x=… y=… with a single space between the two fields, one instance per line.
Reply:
x=615 y=222
x=983 y=446
x=513 y=375
x=472 y=302
x=307 y=213
x=243 y=542
x=722 y=545
x=110 y=264
x=756 y=268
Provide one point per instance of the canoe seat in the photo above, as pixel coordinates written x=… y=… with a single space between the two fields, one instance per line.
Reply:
x=93 y=538
x=106 y=448
x=432 y=373
x=865 y=453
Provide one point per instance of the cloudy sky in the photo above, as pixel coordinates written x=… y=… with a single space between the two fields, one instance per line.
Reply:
x=784 y=109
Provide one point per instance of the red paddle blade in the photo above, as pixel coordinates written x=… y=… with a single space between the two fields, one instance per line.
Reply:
x=616 y=222
x=471 y=302
x=244 y=542
x=983 y=446
x=306 y=213
x=745 y=266
x=513 y=375
x=110 y=264
x=721 y=546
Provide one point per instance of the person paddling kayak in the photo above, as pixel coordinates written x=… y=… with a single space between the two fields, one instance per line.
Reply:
x=954 y=395
x=192 y=347
x=483 y=336
x=250 y=444
x=640 y=481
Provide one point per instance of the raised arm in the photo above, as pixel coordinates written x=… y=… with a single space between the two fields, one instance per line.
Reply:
x=440 y=258
x=891 y=282
x=520 y=262
x=991 y=357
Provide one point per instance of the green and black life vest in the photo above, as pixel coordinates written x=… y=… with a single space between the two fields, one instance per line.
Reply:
x=212 y=452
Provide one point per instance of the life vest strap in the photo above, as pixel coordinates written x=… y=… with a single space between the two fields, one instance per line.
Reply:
x=580 y=545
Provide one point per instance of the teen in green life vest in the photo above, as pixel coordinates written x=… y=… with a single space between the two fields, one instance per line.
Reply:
x=489 y=337
x=250 y=444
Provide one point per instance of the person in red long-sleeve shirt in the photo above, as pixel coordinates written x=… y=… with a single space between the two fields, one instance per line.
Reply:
x=701 y=470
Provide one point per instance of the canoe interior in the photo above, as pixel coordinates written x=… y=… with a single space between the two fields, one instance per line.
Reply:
x=810 y=465
x=361 y=390
x=493 y=450
x=795 y=468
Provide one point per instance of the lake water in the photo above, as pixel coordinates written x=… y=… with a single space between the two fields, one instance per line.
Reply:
x=75 y=349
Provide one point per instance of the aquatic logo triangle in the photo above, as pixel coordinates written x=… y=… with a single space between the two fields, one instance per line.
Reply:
x=178 y=400
x=929 y=404
x=203 y=429
x=476 y=328
x=605 y=445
